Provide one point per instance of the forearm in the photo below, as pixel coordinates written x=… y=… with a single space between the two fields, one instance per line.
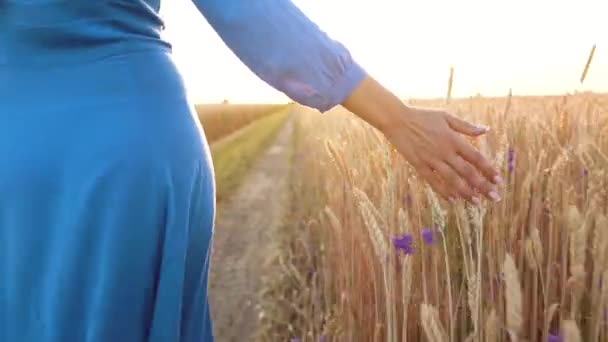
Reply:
x=375 y=104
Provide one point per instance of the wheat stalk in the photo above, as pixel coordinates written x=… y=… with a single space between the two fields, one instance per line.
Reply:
x=472 y=300
x=431 y=324
x=578 y=243
x=406 y=278
x=492 y=326
x=589 y=59
x=537 y=246
x=570 y=331
x=599 y=249
x=450 y=84
x=514 y=314
x=439 y=219
x=549 y=314
x=370 y=217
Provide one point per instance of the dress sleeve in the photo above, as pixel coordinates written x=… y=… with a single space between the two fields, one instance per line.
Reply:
x=283 y=47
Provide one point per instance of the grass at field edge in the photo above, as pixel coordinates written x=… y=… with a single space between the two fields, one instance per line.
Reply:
x=234 y=155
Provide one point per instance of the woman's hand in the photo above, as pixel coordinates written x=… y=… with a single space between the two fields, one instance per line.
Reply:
x=431 y=141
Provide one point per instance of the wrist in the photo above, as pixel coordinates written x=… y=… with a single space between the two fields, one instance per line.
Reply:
x=377 y=106
x=393 y=118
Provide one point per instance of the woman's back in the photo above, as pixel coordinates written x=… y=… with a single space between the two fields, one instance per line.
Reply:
x=54 y=32
x=106 y=185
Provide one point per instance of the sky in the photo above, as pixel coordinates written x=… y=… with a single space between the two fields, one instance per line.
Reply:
x=534 y=47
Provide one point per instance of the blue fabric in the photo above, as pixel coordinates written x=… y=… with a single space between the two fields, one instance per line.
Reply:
x=286 y=49
x=107 y=195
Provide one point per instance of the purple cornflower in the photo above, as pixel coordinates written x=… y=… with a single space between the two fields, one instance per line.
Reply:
x=585 y=172
x=404 y=243
x=511 y=159
x=555 y=338
x=428 y=236
x=322 y=338
x=294 y=339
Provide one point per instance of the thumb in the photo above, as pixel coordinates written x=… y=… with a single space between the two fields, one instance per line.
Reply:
x=465 y=127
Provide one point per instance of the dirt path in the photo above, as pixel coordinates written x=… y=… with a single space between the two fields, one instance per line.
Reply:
x=243 y=234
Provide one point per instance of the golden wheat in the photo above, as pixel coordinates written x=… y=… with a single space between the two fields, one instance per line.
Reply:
x=522 y=269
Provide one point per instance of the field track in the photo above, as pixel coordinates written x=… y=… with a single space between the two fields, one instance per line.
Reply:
x=243 y=235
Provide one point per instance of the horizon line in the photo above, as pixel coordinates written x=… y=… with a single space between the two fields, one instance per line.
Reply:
x=430 y=98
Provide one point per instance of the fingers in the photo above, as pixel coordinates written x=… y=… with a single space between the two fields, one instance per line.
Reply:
x=437 y=184
x=455 y=184
x=468 y=152
x=463 y=179
x=465 y=127
x=474 y=178
x=478 y=161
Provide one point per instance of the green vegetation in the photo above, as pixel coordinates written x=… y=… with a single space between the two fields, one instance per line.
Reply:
x=233 y=155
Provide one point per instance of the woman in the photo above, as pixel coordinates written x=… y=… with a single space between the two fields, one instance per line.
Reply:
x=106 y=185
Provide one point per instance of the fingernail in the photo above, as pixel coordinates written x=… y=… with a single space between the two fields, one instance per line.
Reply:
x=494 y=196
x=498 y=180
x=476 y=200
x=483 y=128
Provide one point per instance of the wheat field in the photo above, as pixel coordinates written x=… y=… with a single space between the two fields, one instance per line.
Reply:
x=220 y=120
x=368 y=253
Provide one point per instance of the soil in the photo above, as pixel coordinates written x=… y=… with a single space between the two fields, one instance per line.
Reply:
x=245 y=223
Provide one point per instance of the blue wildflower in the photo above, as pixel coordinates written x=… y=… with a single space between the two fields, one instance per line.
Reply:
x=555 y=338
x=511 y=159
x=428 y=236
x=404 y=243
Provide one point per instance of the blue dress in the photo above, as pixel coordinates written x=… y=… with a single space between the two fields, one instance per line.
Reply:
x=107 y=197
